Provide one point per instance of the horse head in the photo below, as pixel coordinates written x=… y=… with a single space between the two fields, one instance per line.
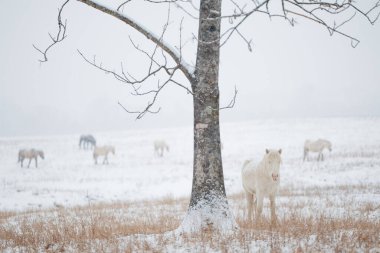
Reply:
x=326 y=144
x=41 y=154
x=272 y=163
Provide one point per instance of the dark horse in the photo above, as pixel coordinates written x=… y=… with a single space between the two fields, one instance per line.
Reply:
x=86 y=141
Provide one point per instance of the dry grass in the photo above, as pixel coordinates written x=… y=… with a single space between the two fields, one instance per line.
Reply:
x=314 y=222
x=36 y=229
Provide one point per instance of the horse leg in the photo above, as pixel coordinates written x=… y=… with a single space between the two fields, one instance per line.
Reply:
x=249 y=198
x=259 y=205
x=22 y=161
x=273 y=209
x=104 y=160
x=35 y=159
x=322 y=157
x=96 y=159
x=304 y=154
x=30 y=160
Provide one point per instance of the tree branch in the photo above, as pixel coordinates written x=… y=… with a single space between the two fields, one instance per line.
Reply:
x=155 y=39
x=231 y=104
x=60 y=36
x=310 y=10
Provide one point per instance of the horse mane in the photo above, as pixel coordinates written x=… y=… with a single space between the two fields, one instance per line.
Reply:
x=273 y=156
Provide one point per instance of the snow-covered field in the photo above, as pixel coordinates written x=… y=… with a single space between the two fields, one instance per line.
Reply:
x=128 y=205
x=68 y=175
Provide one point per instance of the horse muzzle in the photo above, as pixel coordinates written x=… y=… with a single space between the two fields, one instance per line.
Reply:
x=275 y=177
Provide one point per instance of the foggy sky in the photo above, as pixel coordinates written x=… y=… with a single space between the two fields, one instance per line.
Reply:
x=292 y=72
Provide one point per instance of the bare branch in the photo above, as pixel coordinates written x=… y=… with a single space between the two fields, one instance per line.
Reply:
x=231 y=104
x=311 y=10
x=125 y=77
x=145 y=32
x=156 y=93
x=140 y=114
x=119 y=77
x=244 y=16
x=60 y=36
x=182 y=86
x=122 y=5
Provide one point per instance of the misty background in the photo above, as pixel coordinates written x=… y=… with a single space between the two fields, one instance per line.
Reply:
x=294 y=72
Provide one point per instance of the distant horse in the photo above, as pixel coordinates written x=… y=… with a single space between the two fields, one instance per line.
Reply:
x=262 y=181
x=317 y=147
x=30 y=154
x=160 y=146
x=86 y=141
x=103 y=151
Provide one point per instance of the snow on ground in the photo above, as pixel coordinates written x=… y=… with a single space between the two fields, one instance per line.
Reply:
x=68 y=175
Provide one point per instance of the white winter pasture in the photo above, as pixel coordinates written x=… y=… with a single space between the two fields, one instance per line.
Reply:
x=131 y=204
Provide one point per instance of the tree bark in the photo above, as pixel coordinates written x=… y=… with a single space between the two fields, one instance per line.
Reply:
x=208 y=204
x=208 y=169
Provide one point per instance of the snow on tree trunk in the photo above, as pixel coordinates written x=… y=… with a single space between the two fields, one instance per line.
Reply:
x=208 y=205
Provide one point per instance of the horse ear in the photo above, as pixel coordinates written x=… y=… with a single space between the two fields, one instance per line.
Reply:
x=267 y=151
x=280 y=151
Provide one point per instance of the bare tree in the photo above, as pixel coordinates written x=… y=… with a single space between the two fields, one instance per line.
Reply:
x=208 y=205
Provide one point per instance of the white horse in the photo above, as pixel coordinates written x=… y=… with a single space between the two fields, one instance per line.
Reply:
x=262 y=181
x=316 y=146
x=160 y=146
x=103 y=151
x=30 y=154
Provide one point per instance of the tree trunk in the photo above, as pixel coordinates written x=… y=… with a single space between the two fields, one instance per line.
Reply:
x=208 y=205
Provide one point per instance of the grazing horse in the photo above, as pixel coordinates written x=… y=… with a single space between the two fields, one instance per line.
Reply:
x=160 y=146
x=262 y=181
x=103 y=151
x=87 y=140
x=30 y=154
x=316 y=146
